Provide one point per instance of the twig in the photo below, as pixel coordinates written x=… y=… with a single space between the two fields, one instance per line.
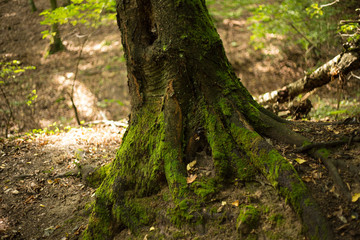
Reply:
x=303 y=35
x=355 y=76
x=349 y=21
x=329 y=4
x=86 y=36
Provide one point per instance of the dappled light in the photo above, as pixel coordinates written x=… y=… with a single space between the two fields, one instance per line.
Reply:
x=241 y=122
x=83 y=98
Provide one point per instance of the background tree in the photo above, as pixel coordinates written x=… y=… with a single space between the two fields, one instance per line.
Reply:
x=32 y=5
x=56 y=44
x=186 y=101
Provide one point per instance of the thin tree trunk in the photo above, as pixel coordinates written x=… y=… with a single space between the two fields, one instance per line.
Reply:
x=342 y=64
x=32 y=5
x=56 y=44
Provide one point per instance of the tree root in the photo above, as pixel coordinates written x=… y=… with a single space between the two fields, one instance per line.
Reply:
x=312 y=146
x=322 y=154
x=281 y=133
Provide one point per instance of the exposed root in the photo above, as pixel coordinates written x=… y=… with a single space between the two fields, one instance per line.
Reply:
x=281 y=133
x=314 y=146
x=323 y=155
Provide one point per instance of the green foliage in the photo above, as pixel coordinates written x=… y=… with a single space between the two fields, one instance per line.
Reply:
x=106 y=102
x=10 y=70
x=328 y=109
x=31 y=97
x=52 y=129
x=350 y=30
x=305 y=23
x=92 y=13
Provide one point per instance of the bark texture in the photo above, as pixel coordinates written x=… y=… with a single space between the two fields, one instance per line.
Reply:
x=339 y=66
x=186 y=99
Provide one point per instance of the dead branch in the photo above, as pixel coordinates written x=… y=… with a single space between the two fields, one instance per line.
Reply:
x=341 y=64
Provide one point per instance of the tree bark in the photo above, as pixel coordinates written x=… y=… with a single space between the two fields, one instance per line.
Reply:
x=339 y=66
x=186 y=99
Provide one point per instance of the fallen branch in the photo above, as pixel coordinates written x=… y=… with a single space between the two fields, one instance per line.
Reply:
x=342 y=64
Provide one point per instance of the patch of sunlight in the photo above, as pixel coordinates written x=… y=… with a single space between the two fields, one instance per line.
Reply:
x=10 y=14
x=270 y=36
x=103 y=46
x=271 y=50
x=69 y=75
x=84 y=99
x=79 y=137
x=260 y=67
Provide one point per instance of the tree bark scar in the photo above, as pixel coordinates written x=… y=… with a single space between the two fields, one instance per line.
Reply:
x=174 y=109
x=137 y=87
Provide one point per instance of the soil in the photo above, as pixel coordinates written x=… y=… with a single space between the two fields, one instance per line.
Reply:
x=42 y=191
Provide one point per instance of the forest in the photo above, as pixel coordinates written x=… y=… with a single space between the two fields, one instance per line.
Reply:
x=178 y=119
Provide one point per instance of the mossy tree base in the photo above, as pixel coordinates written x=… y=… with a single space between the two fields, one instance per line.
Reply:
x=187 y=100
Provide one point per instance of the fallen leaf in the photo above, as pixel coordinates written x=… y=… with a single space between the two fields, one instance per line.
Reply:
x=306 y=179
x=300 y=160
x=236 y=203
x=355 y=197
x=49 y=181
x=15 y=192
x=190 y=165
x=191 y=178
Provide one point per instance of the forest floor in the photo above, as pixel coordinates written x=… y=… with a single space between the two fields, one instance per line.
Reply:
x=43 y=197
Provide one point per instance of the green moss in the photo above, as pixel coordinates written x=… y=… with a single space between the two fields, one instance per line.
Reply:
x=248 y=219
x=325 y=153
x=306 y=143
x=95 y=179
x=133 y=212
x=204 y=188
x=225 y=108
x=182 y=213
x=225 y=152
x=276 y=219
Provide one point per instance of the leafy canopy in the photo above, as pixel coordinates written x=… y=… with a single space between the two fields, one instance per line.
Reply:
x=91 y=13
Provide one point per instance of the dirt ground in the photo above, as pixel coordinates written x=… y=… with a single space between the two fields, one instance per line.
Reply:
x=43 y=197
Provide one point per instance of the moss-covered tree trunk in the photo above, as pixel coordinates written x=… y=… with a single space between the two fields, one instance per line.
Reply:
x=187 y=99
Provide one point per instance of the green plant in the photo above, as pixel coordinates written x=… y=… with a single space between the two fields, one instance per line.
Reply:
x=305 y=23
x=350 y=30
x=52 y=129
x=91 y=13
x=106 y=102
x=9 y=71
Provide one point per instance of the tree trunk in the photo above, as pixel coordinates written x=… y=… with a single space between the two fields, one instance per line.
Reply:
x=56 y=43
x=32 y=5
x=339 y=66
x=186 y=99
